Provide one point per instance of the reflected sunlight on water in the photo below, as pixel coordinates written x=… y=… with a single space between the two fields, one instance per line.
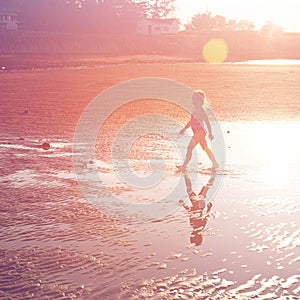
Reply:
x=276 y=175
x=262 y=143
x=278 y=147
x=279 y=62
x=278 y=142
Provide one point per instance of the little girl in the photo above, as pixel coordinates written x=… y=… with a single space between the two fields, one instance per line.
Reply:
x=198 y=118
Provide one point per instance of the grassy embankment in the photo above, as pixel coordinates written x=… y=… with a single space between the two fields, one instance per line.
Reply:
x=33 y=50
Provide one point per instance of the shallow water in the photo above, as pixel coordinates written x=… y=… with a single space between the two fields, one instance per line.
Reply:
x=271 y=62
x=58 y=241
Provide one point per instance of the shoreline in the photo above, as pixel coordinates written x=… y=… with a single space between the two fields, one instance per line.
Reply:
x=31 y=62
x=44 y=62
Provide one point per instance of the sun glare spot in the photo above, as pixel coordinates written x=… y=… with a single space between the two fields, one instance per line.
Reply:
x=215 y=51
x=278 y=150
x=275 y=175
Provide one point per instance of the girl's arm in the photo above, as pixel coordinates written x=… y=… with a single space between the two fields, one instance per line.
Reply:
x=209 y=206
x=188 y=124
x=210 y=135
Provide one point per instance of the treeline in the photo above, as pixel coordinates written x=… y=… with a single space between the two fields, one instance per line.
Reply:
x=208 y=22
x=113 y=16
x=205 y=22
x=88 y=16
x=242 y=45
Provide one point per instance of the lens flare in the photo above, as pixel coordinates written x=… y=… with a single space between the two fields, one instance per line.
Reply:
x=112 y=184
x=215 y=51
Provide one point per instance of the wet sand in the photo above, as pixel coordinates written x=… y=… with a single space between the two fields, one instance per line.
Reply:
x=56 y=245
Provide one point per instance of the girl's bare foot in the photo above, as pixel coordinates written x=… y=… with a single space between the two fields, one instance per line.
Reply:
x=215 y=166
x=180 y=169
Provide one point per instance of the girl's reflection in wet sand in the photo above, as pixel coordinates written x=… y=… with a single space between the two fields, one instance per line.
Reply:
x=199 y=211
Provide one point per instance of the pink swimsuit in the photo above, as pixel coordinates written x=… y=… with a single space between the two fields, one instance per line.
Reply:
x=195 y=124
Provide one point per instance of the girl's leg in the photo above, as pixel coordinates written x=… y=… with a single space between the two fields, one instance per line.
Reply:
x=202 y=142
x=188 y=185
x=189 y=151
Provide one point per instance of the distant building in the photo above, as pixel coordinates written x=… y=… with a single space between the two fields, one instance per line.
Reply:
x=158 y=26
x=8 y=19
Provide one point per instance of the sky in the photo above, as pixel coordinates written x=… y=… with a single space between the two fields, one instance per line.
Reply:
x=284 y=13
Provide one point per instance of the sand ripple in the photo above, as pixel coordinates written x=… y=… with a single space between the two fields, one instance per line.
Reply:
x=192 y=286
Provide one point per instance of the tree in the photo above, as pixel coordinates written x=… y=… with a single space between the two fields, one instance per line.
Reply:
x=129 y=14
x=10 y=4
x=218 y=22
x=47 y=15
x=207 y=22
x=271 y=29
x=201 y=22
x=104 y=16
x=231 y=25
x=159 y=8
x=245 y=25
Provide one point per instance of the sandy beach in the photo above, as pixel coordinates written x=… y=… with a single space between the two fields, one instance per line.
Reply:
x=57 y=244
